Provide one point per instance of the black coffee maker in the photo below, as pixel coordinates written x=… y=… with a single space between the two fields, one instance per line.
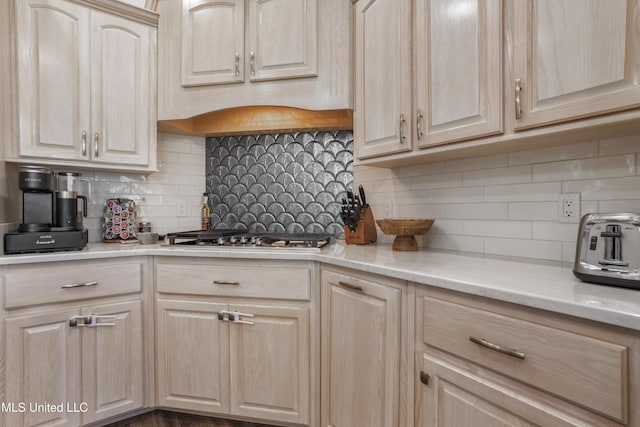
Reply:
x=48 y=224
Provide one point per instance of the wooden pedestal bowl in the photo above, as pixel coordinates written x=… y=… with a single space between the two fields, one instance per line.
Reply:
x=404 y=230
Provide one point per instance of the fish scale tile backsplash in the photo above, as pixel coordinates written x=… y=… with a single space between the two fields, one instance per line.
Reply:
x=289 y=182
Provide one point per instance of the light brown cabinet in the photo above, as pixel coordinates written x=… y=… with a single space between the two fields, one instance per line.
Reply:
x=575 y=59
x=364 y=349
x=94 y=106
x=214 y=55
x=85 y=353
x=231 y=342
x=383 y=110
x=490 y=75
x=232 y=53
x=455 y=77
x=480 y=359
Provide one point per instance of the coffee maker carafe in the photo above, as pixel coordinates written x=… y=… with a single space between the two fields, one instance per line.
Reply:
x=68 y=215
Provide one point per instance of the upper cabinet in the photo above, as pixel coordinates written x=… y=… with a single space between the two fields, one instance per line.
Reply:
x=281 y=40
x=457 y=79
x=204 y=62
x=221 y=54
x=487 y=75
x=383 y=111
x=575 y=59
x=85 y=83
x=458 y=70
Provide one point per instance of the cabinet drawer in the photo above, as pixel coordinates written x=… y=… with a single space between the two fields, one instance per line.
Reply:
x=585 y=370
x=68 y=281
x=235 y=279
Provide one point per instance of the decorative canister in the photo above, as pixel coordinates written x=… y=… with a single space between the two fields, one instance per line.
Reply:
x=119 y=220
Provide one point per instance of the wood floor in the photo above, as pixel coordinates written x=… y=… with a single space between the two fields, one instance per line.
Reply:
x=160 y=418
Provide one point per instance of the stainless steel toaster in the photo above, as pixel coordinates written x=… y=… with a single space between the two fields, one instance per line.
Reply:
x=608 y=249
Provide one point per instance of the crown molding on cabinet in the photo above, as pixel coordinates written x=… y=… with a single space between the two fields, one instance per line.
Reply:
x=125 y=10
x=258 y=119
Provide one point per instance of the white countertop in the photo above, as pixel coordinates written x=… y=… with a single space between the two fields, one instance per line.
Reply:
x=547 y=286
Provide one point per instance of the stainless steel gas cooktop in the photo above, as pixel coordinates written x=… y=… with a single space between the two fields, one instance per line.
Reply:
x=243 y=239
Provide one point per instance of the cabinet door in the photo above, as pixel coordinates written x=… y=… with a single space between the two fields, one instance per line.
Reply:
x=212 y=42
x=459 y=70
x=456 y=396
x=53 y=78
x=121 y=84
x=112 y=361
x=361 y=349
x=382 y=122
x=282 y=38
x=192 y=356
x=270 y=370
x=575 y=58
x=43 y=367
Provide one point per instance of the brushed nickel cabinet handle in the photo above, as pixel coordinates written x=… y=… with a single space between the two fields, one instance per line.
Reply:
x=350 y=286
x=402 y=123
x=237 y=64
x=495 y=347
x=79 y=285
x=96 y=144
x=226 y=282
x=419 y=118
x=252 y=62
x=518 y=103
x=84 y=143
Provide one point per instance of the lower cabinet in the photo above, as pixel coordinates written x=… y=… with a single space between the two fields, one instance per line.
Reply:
x=489 y=363
x=80 y=359
x=364 y=350
x=230 y=342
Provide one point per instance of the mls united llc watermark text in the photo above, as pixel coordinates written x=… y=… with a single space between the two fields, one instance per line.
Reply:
x=32 y=407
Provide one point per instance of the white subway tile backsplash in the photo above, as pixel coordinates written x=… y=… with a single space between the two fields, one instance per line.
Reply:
x=605 y=189
x=510 y=229
x=478 y=211
x=555 y=153
x=499 y=176
x=475 y=163
x=554 y=231
x=536 y=192
x=626 y=145
x=534 y=211
x=447 y=180
x=601 y=167
x=507 y=204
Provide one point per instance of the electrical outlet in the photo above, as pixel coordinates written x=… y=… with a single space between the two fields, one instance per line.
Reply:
x=181 y=207
x=569 y=208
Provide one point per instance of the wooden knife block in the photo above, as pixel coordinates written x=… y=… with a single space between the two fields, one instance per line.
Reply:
x=365 y=231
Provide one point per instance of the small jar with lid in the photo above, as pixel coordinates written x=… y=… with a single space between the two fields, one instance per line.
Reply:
x=144 y=227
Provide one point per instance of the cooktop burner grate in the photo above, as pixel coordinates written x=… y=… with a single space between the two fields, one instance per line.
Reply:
x=244 y=239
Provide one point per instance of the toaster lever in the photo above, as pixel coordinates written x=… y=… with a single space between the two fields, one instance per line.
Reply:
x=612 y=247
